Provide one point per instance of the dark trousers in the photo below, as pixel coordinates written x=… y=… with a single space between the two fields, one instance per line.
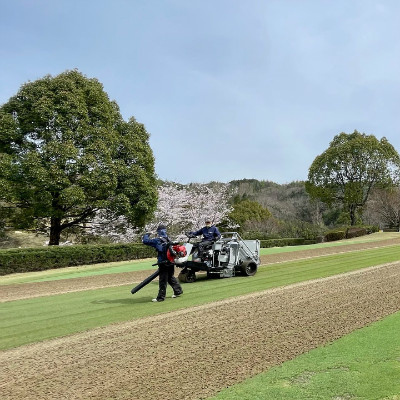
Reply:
x=203 y=245
x=167 y=276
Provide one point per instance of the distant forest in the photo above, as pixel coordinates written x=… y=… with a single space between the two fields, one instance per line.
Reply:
x=291 y=202
x=285 y=201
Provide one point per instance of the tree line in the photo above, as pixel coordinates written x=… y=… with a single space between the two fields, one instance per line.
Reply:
x=69 y=162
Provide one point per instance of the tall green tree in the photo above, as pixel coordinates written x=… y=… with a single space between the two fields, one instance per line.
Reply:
x=66 y=152
x=350 y=168
x=248 y=211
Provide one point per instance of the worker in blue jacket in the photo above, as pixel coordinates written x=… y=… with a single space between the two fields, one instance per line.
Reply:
x=161 y=243
x=210 y=234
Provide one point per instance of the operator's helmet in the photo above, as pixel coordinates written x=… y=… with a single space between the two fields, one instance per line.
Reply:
x=162 y=230
x=207 y=221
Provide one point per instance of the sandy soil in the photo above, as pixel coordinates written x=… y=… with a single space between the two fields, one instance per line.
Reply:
x=28 y=290
x=194 y=353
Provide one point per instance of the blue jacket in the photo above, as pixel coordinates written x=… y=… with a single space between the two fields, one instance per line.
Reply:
x=159 y=243
x=211 y=233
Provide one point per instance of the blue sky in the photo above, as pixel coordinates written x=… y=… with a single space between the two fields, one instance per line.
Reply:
x=228 y=89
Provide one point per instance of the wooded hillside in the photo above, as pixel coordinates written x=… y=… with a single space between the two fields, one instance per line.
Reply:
x=286 y=201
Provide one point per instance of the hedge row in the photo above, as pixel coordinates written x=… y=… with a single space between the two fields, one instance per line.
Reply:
x=338 y=234
x=355 y=232
x=286 y=242
x=252 y=235
x=349 y=232
x=335 y=235
x=39 y=259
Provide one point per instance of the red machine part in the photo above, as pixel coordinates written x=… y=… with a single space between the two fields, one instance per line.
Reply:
x=179 y=250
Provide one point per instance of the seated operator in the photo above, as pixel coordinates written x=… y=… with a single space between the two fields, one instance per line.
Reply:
x=210 y=234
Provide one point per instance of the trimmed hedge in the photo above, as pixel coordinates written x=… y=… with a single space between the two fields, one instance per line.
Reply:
x=286 y=242
x=355 y=232
x=350 y=232
x=39 y=259
x=252 y=235
x=371 y=228
x=334 y=235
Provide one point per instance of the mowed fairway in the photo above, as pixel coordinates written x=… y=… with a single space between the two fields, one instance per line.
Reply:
x=219 y=333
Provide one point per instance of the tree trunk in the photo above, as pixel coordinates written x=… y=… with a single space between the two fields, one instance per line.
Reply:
x=352 y=215
x=55 y=231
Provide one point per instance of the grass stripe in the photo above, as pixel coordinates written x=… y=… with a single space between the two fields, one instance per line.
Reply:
x=140 y=265
x=32 y=320
x=374 y=237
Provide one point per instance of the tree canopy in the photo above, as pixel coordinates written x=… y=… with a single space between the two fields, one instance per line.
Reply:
x=66 y=152
x=350 y=168
x=248 y=211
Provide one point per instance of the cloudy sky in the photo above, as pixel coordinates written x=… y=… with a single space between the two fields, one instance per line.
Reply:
x=228 y=89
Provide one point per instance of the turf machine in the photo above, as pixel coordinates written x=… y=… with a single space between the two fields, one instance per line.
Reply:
x=225 y=258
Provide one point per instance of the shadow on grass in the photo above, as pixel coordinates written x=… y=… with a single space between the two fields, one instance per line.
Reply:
x=125 y=300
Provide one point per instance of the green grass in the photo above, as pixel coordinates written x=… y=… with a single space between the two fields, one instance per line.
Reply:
x=32 y=320
x=138 y=265
x=374 y=237
x=362 y=365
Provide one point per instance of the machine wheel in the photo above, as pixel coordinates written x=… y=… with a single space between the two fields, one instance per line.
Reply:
x=187 y=277
x=249 y=270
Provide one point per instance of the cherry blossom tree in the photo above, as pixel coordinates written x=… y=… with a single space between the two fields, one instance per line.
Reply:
x=114 y=229
x=181 y=207
x=184 y=207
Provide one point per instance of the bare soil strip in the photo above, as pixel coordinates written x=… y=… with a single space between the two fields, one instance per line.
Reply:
x=21 y=291
x=38 y=289
x=194 y=353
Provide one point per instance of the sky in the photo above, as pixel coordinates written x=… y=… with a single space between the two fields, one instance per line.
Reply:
x=227 y=89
